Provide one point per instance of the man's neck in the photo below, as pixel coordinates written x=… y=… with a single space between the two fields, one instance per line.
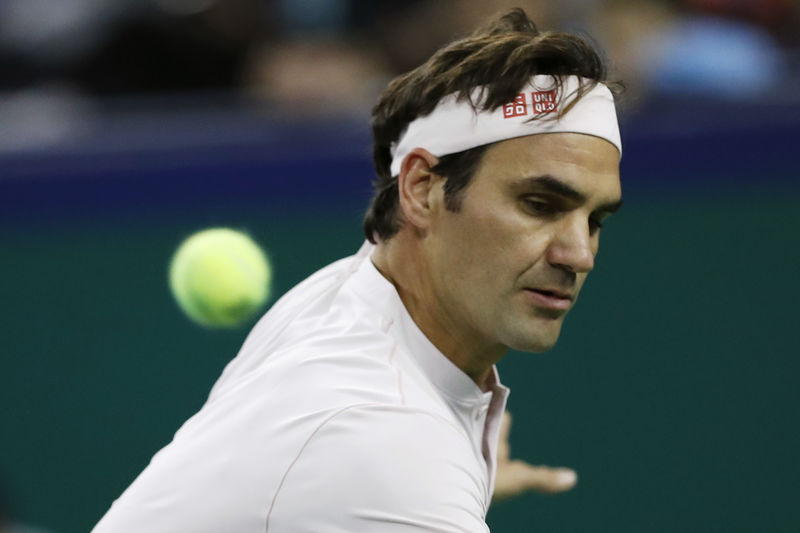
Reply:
x=404 y=266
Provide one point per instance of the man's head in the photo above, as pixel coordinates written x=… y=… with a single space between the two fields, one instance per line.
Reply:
x=501 y=57
x=501 y=235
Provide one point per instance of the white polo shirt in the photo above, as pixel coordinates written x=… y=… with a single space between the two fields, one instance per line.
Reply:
x=338 y=415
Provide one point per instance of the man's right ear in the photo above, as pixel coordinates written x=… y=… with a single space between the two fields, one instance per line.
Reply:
x=415 y=186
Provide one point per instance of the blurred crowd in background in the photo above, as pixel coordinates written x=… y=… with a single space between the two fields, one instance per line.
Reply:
x=57 y=57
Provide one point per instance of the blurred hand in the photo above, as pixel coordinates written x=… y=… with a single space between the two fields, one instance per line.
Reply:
x=515 y=477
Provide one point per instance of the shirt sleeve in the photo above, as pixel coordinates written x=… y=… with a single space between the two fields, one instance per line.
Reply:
x=192 y=485
x=388 y=469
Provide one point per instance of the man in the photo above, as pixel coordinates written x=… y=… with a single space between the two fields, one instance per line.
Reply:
x=367 y=398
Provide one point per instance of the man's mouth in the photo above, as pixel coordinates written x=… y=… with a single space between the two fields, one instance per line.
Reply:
x=550 y=298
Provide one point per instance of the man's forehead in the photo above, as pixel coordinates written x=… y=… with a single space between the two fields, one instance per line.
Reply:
x=560 y=144
x=553 y=153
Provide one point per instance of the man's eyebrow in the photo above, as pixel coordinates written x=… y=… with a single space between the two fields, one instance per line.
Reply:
x=610 y=208
x=556 y=186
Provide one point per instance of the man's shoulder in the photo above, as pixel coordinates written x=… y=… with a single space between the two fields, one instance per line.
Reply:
x=318 y=354
x=308 y=381
x=297 y=315
x=355 y=364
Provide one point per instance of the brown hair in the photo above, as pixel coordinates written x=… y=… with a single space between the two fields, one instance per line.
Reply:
x=501 y=58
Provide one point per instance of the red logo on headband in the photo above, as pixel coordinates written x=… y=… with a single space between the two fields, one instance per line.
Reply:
x=517 y=108
x=544 y=102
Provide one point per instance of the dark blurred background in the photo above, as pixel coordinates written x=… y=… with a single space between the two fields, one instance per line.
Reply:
x=126 y=125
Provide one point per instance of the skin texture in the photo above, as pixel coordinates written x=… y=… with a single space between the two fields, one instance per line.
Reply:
x=529 y=221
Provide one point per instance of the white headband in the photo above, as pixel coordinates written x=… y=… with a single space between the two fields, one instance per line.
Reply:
x=454 y=126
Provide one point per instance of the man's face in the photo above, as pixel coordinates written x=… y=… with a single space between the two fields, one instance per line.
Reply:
x=510 y=263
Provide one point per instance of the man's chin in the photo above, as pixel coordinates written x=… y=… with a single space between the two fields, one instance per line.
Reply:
x=536 y=343
x=530 y=332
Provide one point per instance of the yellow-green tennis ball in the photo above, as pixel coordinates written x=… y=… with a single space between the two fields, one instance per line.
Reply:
x=220 y=277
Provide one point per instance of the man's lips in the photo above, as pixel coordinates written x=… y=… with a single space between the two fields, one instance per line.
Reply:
x=550 y=298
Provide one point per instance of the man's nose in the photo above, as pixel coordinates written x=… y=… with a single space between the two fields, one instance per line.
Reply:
x=572 y=247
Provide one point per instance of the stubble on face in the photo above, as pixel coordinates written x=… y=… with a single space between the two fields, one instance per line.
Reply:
x=510 y=263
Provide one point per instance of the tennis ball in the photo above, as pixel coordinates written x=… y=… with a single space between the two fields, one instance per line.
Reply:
x=220 y=277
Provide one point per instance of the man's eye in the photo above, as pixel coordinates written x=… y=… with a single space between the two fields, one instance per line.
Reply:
x=540 y=206
x=595 y=224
